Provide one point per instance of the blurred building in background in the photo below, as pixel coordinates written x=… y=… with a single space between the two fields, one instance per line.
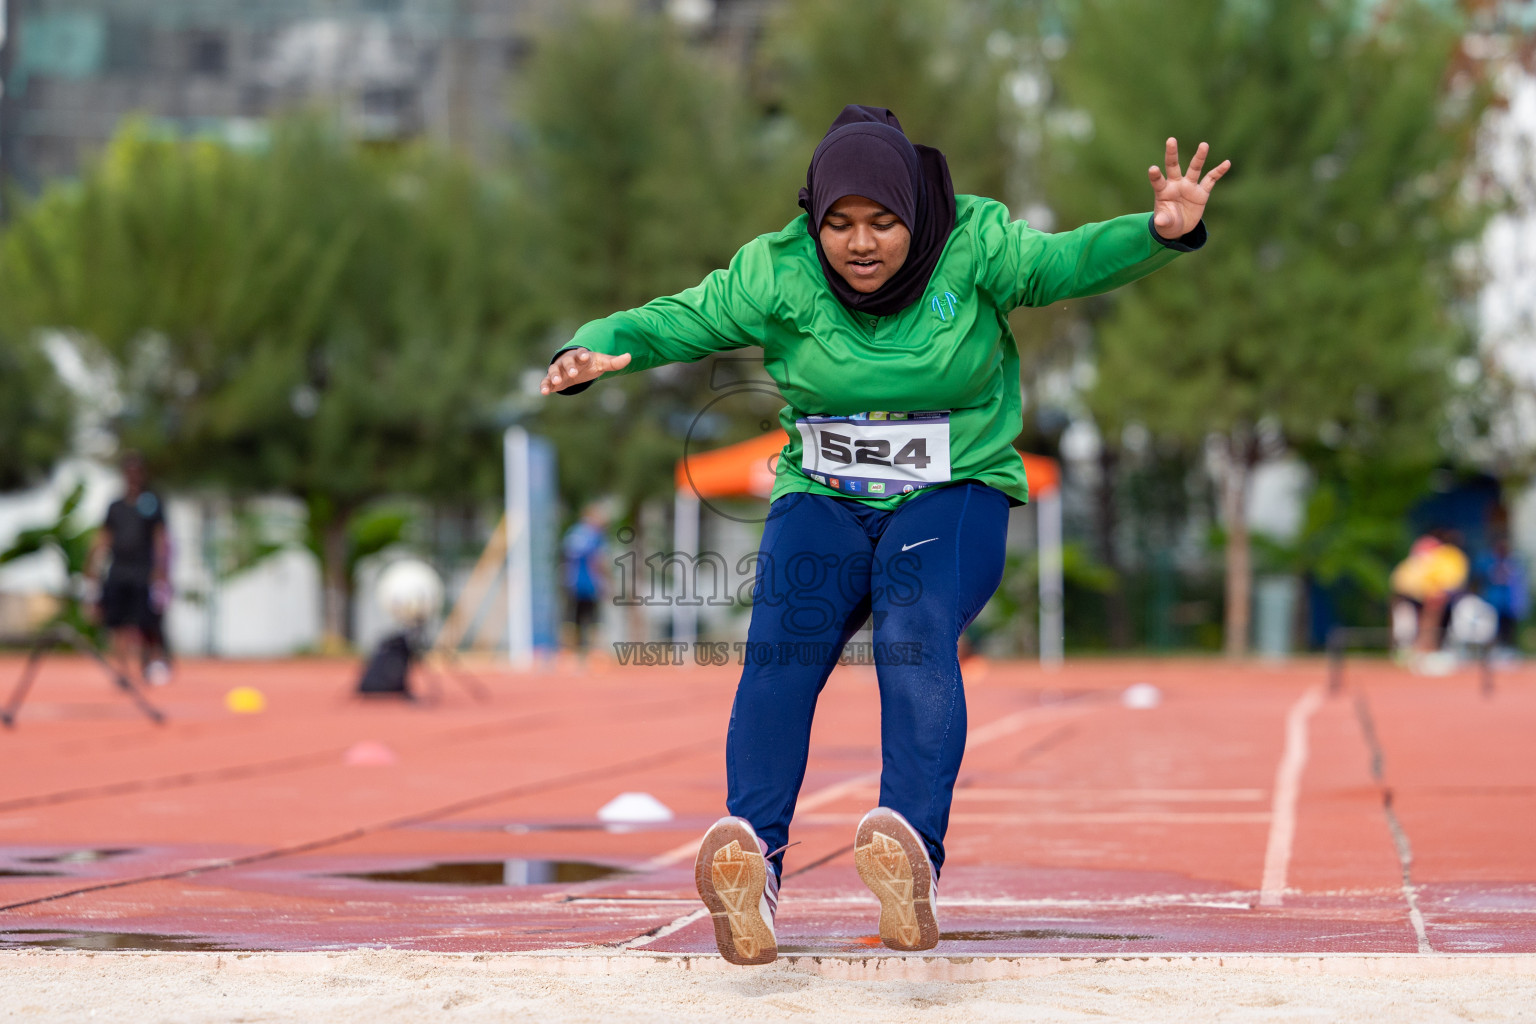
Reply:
x=388 y=70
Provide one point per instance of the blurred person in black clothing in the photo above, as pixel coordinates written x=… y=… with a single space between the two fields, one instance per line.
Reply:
x=136 y=591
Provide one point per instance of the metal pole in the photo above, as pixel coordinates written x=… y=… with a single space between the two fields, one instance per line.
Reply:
x=210 y=552
x=519 y=516
x=1335 y=660
x=685 y=542
x=1052 y=624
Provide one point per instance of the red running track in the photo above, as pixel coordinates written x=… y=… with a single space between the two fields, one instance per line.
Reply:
x=1249 y=812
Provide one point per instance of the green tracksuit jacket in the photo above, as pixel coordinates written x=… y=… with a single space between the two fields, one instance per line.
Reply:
x=951 y=350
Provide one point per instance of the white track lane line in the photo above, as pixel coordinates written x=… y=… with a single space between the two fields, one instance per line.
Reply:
x=667 y=929
x=1005 y=726
x=1138 y=796
x=1072 y=818
x=1282 y=821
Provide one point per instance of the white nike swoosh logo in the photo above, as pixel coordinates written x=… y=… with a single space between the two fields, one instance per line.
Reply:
x=909 y=547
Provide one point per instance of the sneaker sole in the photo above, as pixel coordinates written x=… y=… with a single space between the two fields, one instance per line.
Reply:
x=730 y=874
x=892 y=862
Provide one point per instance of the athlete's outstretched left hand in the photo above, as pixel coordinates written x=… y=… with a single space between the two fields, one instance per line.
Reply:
x=1179 y=198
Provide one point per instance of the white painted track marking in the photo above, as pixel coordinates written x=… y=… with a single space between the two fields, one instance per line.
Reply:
x=1071 y=818
x=1282 y=821
x=1005 y=726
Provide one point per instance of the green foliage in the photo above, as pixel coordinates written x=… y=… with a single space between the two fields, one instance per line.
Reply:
x=193 y=243
x=1016 y=605
x=927 y=60
x=645 y=170
x=313 y=318
x=72 y=543
x=375 y=529
x=1325 y=301
x=1355 y=528
x=641 y=164
x=35 y=413
x=1326 y=310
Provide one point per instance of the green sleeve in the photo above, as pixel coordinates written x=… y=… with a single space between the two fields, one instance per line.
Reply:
x=1020 y=266
x=725 y=311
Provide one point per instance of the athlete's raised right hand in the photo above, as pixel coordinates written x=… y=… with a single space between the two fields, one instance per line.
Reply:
x=578 y=366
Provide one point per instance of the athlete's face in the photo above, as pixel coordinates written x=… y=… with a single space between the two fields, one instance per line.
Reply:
x=864 y=242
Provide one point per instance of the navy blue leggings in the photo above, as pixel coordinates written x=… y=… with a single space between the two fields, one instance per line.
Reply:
x=922 y=572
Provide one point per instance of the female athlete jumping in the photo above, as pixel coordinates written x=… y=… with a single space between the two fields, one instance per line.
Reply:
x=882 y=315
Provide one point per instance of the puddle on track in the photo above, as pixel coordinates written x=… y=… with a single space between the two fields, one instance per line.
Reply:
x=64 y=858
x=79 y=856
x=49 y=938
x=525 y=827
x=867 y=942
x=1038 y=933
x=579 y=826
x=493 y=872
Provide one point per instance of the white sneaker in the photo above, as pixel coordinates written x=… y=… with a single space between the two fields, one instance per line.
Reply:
x=739 y=887
x=893 y=861
x=157 y=673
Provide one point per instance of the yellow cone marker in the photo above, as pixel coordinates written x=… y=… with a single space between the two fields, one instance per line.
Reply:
x=245 y=700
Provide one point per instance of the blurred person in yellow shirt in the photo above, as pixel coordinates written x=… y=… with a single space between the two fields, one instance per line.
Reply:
x=1424 y=586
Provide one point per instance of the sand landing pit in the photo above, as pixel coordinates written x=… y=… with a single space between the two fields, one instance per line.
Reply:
x=388 y=985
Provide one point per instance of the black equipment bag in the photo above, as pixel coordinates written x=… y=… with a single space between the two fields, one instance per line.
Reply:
x=388 y=671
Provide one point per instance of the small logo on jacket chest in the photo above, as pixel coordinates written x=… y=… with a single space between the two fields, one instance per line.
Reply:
x=944 y=305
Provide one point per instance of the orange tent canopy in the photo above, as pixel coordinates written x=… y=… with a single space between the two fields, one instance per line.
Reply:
x=1044 y=473
x=746 y=469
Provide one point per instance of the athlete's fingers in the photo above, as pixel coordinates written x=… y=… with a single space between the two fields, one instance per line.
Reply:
x=618 y=362
x=1159 y=182
x=1171 y=158
x=1215 y=175
x=561 y=373
x=1197 y=161
x=558 y=381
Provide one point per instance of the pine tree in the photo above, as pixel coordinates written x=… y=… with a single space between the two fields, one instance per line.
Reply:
x=1324 y=309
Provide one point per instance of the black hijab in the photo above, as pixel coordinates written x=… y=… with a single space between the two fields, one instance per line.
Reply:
x=865 y=153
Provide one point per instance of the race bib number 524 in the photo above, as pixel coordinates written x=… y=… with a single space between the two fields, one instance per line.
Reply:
x=876 y=453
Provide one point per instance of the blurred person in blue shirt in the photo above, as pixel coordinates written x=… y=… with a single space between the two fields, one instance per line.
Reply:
x=1504 y=585
x=584 y=550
